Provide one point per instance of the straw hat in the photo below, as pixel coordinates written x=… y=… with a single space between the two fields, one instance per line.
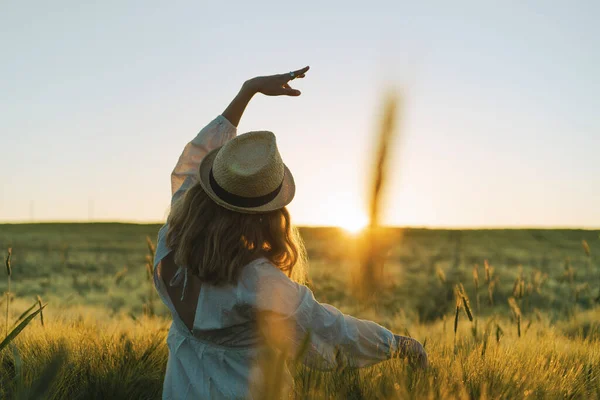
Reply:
x=247 y=174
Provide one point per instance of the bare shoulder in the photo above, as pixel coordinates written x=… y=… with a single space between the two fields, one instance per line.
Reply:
x=167 y=266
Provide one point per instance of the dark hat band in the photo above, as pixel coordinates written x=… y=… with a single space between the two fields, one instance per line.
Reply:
x=242 y=201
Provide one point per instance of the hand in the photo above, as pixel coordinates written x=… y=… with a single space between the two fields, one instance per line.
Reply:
x=413 y=350
x=275 y=85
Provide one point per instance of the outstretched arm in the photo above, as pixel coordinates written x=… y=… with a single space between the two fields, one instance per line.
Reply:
x=290 y=312
x=224 y=127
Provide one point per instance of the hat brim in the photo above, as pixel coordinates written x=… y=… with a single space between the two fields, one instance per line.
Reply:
x=285 y=196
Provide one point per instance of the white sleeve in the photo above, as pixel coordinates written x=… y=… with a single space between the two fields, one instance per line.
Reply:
x=213 y=135
x=291 y=306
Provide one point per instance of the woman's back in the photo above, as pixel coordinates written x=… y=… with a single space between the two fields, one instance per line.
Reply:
x=219 y=269
x=213 y=356
x=219 y=356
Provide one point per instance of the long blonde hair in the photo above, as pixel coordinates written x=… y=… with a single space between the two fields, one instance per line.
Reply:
x=216 y=243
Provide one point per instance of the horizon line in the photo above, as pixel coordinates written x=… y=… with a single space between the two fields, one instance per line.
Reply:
x=433 y=227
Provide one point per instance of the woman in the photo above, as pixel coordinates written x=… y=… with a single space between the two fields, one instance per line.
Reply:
x=224 y=264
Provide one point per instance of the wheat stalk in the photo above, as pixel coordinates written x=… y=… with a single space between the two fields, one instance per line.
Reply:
x=456 y=313
x=512 y=302
x=465 y=301
x=8 y=276
x=440 y=274
x=151 y=247
x=476 y=282
x=489 y=274
x=488 y=271
x=528 y=326
x=372 y=266
x=499 y=332
x=149 y=268
x=17 y=329
x=586 y=248
x=39 y=299
x=150 y=275
x=121 y=274
x=486 y=334
x=25 y=313
x=491 y=288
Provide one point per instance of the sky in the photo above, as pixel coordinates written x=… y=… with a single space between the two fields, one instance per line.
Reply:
x=498 y=126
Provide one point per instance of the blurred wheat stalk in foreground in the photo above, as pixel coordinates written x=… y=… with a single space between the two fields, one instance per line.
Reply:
x=373 y=253
x=370 y=276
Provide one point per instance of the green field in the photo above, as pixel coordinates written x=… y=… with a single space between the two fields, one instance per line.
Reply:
x=108 y=328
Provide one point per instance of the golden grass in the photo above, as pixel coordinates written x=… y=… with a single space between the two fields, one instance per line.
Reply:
x=126 y=359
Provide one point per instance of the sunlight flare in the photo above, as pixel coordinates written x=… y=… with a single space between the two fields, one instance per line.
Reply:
x=354 y=224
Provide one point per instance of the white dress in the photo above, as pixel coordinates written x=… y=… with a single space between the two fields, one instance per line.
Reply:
x=217 y=359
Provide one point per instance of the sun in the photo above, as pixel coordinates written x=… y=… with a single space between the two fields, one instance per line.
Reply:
x=354 y=224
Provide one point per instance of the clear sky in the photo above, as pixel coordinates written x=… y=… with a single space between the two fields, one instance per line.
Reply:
x=500 y=125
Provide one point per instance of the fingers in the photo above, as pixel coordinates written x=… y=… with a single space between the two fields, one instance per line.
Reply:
x=413 y=350
x=299 y=73
x=288 y=91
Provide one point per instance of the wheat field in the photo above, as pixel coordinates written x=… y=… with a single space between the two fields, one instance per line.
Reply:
x=531 y=295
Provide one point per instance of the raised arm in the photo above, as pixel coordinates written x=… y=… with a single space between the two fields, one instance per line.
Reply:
x=224 y=127
x=289 y=307
x=272 y=85
x=213 y=135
